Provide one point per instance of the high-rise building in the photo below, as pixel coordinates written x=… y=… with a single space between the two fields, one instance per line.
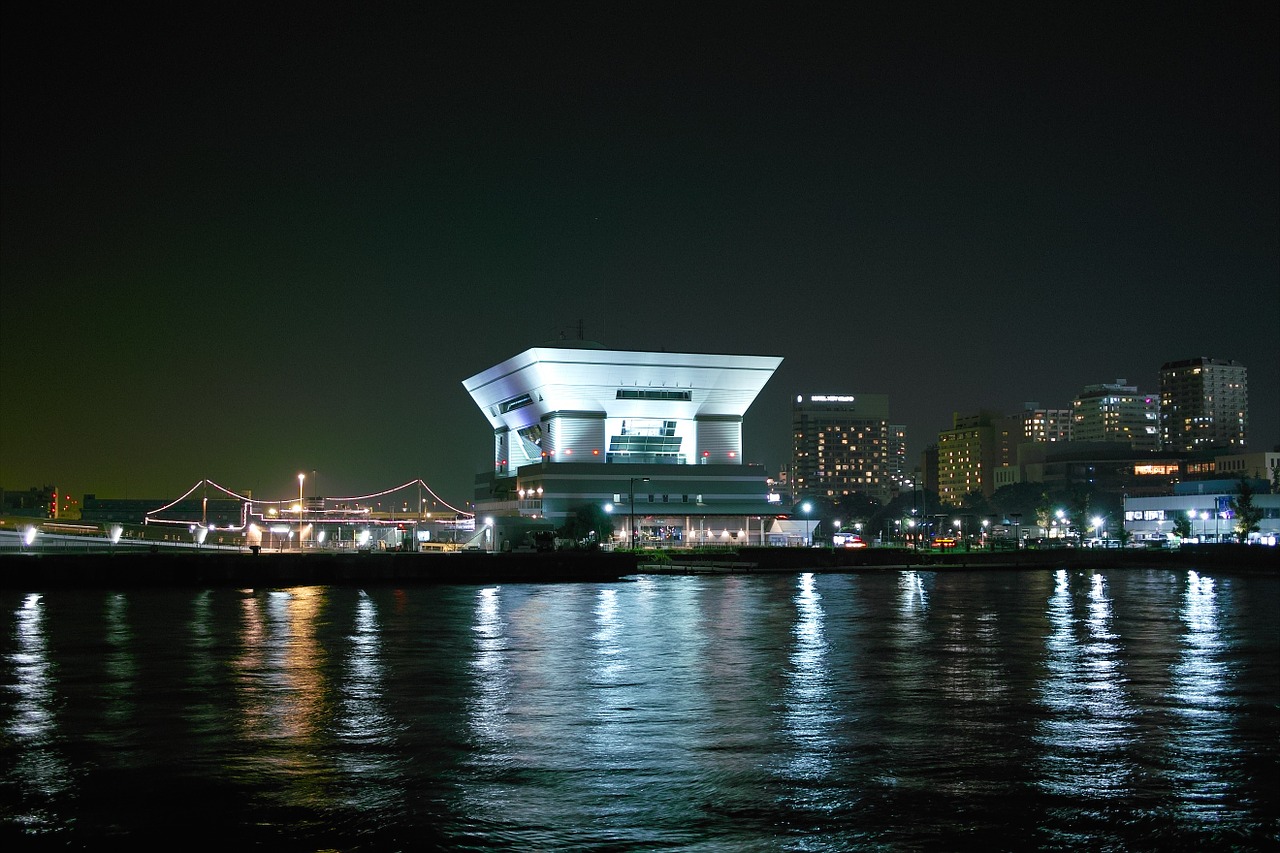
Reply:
x=842 y=445
x=1116 y=413
x=896 y=467
x=967 y=457
x=1204 y=403
x=1033 y=425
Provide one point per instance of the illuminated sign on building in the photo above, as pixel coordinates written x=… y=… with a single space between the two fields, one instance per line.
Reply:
x=1161 y=470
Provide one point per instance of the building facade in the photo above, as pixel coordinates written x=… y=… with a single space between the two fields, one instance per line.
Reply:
x=967 y=456
x=1260 y=466
x=1116 y=413
x=1208 y=516
x=898 y=470
x=1033 y=425
x=1204 y=403
x=653 y=436
x=843 y=443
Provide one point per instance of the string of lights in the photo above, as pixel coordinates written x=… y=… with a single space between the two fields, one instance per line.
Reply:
x=250 y=502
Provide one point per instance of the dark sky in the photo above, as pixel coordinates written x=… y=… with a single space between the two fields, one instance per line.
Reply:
x=241 y=247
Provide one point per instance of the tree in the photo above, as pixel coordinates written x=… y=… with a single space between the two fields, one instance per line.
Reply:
x=589 y=523
x=1022 y=499
x=1044 y=512
x=1248 y=517
x=976 y=503
x=1181 y=526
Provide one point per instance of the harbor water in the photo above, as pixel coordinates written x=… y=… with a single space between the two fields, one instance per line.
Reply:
x=1051 y=709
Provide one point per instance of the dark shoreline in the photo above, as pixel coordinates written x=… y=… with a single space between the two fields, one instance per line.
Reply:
x=132 y=569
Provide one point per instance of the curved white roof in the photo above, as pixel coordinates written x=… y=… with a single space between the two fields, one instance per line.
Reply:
x=589 y=380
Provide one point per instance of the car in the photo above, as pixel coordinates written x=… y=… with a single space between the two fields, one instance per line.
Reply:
x=848 y=540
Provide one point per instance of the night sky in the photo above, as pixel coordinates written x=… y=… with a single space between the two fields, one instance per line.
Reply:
x=249 y=244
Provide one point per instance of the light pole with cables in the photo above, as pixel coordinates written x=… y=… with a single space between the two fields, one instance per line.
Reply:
x=631 y=518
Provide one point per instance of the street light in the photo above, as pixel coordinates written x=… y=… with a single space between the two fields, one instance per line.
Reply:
x=631 y=517
x=805 y=507
x=1097 y=528
x=301 y=477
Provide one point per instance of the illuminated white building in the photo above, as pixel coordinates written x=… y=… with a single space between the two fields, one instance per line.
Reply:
x=1208 y=517
x=576 y=424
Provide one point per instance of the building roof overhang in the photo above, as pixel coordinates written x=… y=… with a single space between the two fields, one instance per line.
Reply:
x=522 y=389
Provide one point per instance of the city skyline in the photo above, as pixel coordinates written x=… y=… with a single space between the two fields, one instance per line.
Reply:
x=916 y=447
x=259 y=248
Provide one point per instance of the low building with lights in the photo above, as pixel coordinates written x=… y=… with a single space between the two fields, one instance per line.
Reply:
x=654 y=436
x=1208 y=516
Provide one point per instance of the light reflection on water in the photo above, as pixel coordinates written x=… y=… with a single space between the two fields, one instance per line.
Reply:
x=810 y=718
x=1201 y=751
x=30 y=726
x=1088 y=726
x=895 y=710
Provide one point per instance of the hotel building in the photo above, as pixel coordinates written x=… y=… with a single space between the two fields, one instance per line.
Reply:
x=843 y=443
x=1116 y=412
x=967 y=457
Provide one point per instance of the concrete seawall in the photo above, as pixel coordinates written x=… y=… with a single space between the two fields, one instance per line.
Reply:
x=1217 y=557
x=34 y=571
x=133 y=569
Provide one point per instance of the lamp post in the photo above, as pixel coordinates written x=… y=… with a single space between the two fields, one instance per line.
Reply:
x=808 y=537
x=301 y=477
x=631 y=517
